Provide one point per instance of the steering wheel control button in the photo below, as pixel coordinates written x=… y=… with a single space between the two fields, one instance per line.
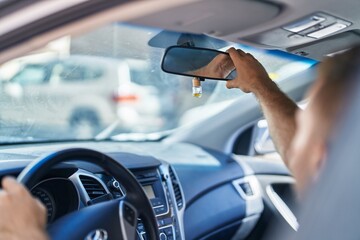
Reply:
x=129 y=215
x=163 y=236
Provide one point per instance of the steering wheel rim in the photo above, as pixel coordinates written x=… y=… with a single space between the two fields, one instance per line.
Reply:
x=135 y=199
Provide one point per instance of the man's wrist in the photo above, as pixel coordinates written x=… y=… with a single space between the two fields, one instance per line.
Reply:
x=263 y=88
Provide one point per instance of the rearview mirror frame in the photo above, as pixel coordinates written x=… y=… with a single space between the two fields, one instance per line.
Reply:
x=190 y=75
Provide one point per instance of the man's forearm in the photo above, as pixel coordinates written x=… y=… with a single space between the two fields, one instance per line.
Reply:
x=279 y=111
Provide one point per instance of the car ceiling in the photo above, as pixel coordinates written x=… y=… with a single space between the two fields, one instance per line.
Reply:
x=261 y=23
x=258 y=23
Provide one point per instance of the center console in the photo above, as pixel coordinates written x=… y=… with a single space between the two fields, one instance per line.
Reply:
x=164 y=192
x=156 y=188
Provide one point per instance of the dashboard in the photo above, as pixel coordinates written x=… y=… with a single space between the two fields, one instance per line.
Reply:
x=75 y=188
x=195 y=193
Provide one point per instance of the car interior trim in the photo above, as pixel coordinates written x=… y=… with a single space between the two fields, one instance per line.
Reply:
x=114 y=14
x=282 y=208
x=75 y=178
x=247 y=225
x=179 y=213
x=254 y=204
x=51 y=6
x=276 y=202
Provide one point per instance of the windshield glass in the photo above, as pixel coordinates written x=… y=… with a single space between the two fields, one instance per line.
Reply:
x=108 y=82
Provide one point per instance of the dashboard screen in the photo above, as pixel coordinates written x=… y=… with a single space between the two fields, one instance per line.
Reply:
x=149 y=191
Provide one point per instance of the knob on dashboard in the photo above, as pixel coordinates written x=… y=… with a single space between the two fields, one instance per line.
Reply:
x=163 y=236
x=113 y=184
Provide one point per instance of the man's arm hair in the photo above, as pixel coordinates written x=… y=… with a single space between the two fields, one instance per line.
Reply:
x=279 y=111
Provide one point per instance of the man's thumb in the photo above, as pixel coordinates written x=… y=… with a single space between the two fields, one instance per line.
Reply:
x=10 y=184
x=230 y=84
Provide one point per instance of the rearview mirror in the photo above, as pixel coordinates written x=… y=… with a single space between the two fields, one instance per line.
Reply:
x=198 y=62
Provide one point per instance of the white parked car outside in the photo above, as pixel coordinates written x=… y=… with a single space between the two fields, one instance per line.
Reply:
x=94 y=99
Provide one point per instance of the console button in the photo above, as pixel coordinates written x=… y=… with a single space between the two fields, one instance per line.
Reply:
x=163 y=236
x=156 y=202
x=167 y=221
x=168 y=231
x=161 y=223
x=160 y=210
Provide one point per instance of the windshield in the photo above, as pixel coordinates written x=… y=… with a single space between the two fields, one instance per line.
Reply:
x=109 y=82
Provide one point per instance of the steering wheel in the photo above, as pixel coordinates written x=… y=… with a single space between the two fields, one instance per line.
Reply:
x=114 y=219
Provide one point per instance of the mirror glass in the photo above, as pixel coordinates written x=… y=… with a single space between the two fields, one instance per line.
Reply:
x=198 y=62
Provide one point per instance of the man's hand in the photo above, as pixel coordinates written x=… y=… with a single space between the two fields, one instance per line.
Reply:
x=220 y=67
x=251 y=75
x=21 y=216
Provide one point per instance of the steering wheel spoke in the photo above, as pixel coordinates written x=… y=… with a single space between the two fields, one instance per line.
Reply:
x=128 y=216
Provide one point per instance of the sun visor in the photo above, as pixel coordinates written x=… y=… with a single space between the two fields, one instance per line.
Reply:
x=165 y=39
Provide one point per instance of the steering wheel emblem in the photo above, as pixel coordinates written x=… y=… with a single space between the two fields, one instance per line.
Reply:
x=98 y=234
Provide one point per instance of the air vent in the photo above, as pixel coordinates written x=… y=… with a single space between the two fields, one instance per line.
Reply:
x=176 y=187
x=246 y=188
x=92 y=186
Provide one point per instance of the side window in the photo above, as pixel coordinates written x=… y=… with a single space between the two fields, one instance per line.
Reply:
x=31 y=74
x=139 y=77
x=93 y=73
x=75 y=72
x=72 y=72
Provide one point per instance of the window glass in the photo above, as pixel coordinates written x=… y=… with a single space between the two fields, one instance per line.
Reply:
x=72 y=72
x=31 y=74
x=130 y=94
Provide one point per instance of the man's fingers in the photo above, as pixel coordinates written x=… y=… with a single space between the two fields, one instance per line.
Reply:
x=237 y=57
x=250 y=55
x=7 y=183
x=234 y=55
x=40 y=204
x=241 y=52
x=3 y=197
x=10 y=185
x=43 y=210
